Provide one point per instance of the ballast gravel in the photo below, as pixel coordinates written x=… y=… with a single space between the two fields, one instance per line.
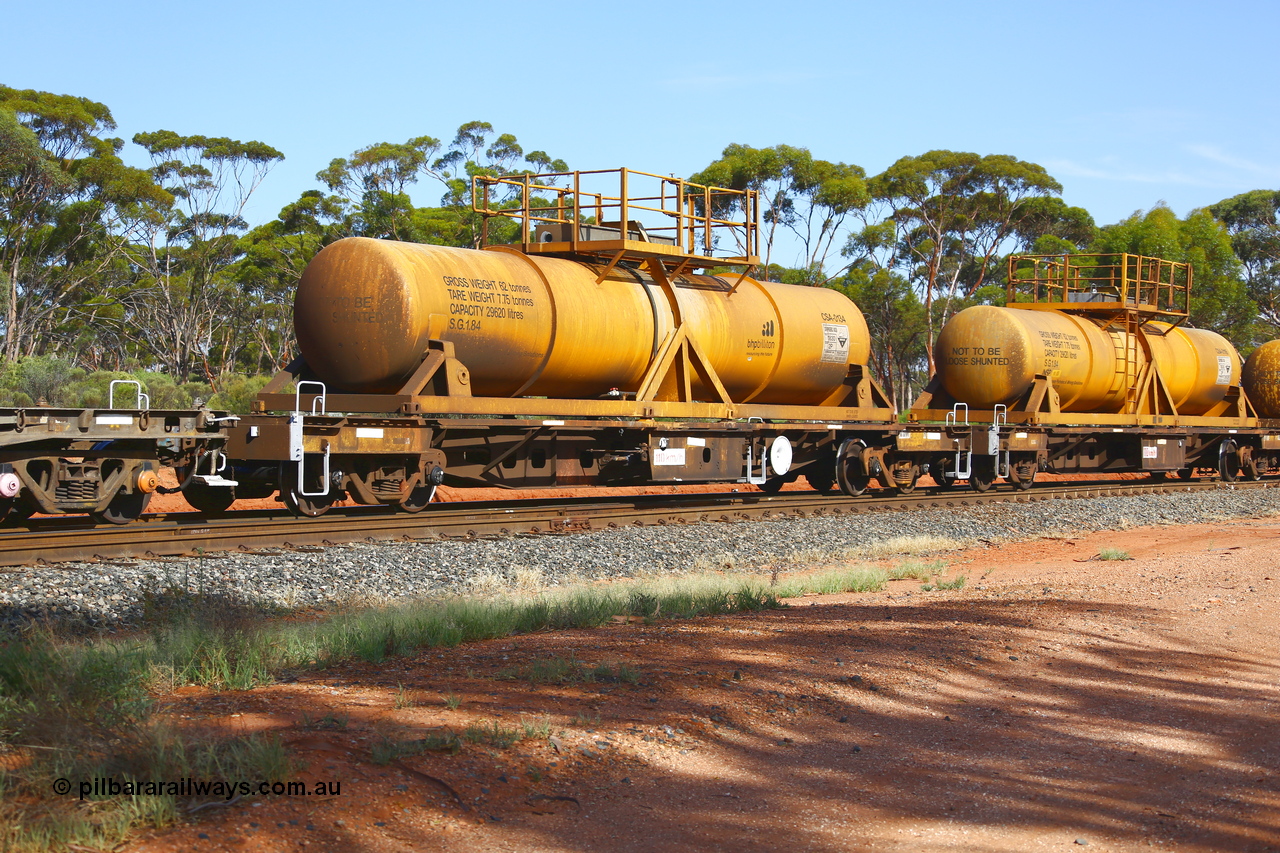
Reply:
x=116 y=593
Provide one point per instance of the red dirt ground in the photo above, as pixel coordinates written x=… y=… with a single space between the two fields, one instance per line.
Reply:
x=1055 y=702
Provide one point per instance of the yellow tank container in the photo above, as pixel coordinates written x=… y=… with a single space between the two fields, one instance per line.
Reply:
x=1261 y=379
x=536 y=326
x=988 y=355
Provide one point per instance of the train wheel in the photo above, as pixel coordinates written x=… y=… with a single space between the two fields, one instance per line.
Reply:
x=773 y=485
x=851 y=476
x=208 y=499
x=1184 y=473
x=938 y=470
x=1229 y=462
x=124 y=507
x=418 y=499
x=297 y=503
x=824 y=482
x=854 y=484
x=983 y=476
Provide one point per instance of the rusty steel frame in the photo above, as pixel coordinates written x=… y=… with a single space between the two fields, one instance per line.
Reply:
x=859 y=398
x=1150 y=405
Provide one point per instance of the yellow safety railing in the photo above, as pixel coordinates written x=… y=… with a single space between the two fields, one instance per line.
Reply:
x=1115 y=282
x=596 y=211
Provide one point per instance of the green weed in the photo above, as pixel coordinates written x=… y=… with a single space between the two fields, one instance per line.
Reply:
x=328 y=721
x=915 y=570
x=539 y=729
x=494 y=734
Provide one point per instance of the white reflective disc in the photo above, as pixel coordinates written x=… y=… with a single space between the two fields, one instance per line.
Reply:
x=780 y=455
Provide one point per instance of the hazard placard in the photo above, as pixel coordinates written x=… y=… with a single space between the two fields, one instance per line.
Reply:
x=835 y=343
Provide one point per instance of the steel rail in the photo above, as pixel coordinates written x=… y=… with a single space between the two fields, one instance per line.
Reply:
x=57 y=540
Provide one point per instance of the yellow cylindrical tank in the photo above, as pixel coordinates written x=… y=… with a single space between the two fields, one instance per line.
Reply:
x=1261 y=379
x=988 y=355
x=534 y=326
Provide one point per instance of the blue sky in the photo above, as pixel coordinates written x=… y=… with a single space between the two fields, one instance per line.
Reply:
x=1125 y=103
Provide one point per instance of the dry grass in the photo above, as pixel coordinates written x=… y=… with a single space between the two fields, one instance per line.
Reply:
x=528 y=578
x=907 y=546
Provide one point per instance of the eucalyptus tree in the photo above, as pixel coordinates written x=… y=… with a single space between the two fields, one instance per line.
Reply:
x=1047 y=225
x=1219 y=298
x=273 y=258
x=948 y=217
x=68 y=205
x=372 y=185
x=895 y=321
x=811 y=198
x=182 y=306
x=1253 y=223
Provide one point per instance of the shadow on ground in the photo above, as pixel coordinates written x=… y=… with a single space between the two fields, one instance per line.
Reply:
x=977 y=725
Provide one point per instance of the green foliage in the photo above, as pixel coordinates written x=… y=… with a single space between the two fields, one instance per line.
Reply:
x=386 y=749
x=157 y=267
x=570 y=670
x=31 y=380
x=915 y=569
x=896 y=322
x=371 y=187
x=236 y=393
x=1045 y=225
x=811 y=198
x=26 y=381
x=952 y=214
x=84 y=711
x=492 y=733
x=1252 y=220
x=1219 y=297
x=854 y=579
x=68 y=207
x=181 y=282
x=933 y=242
x=957 y=582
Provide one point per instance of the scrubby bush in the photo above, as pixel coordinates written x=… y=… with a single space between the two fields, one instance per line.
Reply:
x=49 y=380
x=27 y=381
x=236 y=392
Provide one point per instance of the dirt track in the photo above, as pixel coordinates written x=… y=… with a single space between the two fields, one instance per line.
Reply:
x=1055 y=702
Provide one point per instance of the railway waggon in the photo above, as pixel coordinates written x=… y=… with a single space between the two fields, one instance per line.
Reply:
x=600 y=348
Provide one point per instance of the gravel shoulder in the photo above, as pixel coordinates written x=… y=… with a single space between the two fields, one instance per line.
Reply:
x=108 y=594
x=1055 y=702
